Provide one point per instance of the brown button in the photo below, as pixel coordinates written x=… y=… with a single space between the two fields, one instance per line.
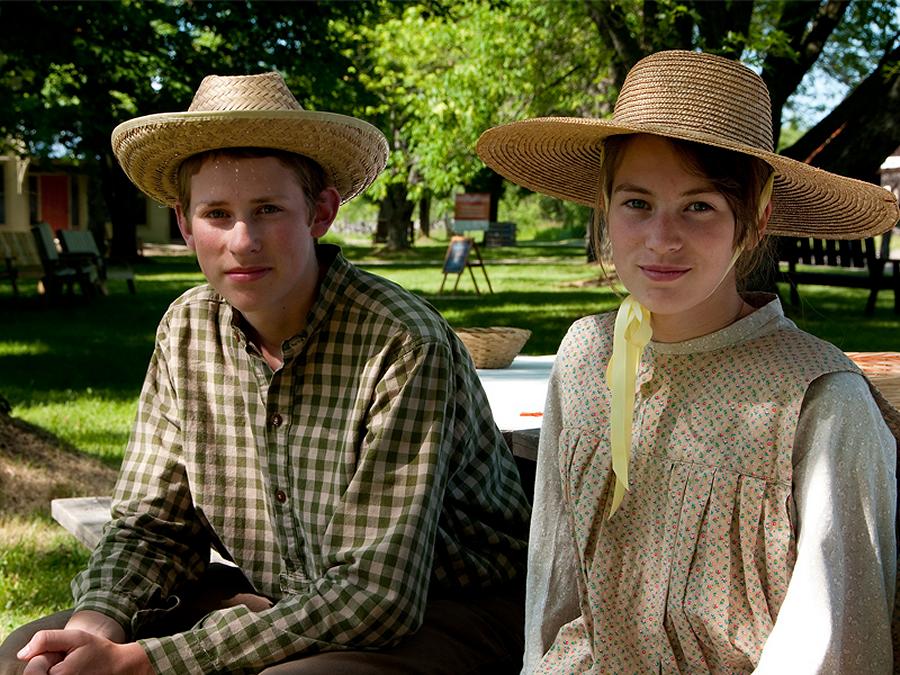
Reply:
x=280 y=497
x=275 y=420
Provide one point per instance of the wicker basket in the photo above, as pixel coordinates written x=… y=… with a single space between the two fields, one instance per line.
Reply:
x=883 y=369
x=494 y=347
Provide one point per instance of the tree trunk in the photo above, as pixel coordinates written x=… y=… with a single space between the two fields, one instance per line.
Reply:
x=119 y=195
x=612 y=28
x=719 y=22
x=425 y=213
x=808 y=25
x=395 y=213
x=861 y=131
x=489 y=181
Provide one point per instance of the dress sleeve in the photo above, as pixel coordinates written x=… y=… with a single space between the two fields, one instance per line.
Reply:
x=837 y=611
x=551 y=600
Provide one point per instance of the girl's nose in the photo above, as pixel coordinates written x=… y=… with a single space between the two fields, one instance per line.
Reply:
x=244 y=237
x=663 y=234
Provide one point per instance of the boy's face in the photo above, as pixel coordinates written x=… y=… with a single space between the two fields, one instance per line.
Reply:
x=250 y=224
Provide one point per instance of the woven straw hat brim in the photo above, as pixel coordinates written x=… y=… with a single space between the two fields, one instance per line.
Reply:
x=561 y=157
x=151 y=148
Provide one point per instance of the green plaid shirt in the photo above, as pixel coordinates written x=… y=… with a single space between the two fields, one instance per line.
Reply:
x=346 y=484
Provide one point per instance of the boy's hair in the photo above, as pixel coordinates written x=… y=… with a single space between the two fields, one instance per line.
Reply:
x=738 y=177
x=310 y=176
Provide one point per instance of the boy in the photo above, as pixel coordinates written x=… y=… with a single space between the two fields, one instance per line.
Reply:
x=320 y=427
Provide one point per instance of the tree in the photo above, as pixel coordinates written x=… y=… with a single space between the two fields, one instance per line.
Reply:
x=444 y=72
x=101 y=63
x=433 y=75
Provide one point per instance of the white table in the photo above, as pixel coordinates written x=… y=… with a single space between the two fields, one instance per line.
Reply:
x=517 y=395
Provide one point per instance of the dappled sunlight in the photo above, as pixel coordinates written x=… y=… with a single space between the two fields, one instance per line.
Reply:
x=836 y=314
x=36 y=467
x=13 y=348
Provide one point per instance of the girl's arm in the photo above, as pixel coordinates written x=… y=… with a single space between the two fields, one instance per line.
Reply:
x=836 y=616
x=552 y=590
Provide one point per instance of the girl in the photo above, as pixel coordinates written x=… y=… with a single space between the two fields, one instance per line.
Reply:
x=716 y=488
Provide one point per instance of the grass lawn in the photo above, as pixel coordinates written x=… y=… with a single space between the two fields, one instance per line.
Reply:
x=75 y=369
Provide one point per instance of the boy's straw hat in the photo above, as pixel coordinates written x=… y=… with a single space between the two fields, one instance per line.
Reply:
x=248 y=111
x=695 y=97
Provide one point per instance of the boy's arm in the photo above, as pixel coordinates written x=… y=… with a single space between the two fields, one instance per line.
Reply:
x=153 y=541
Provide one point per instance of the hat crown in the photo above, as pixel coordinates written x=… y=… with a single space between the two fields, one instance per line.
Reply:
x=690 y=93
x=221 y=93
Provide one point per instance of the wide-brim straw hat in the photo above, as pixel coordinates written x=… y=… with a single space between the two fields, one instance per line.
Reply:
x=694 y=97
x=248 y=111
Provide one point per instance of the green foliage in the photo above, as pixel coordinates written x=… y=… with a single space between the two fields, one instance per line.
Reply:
x=543 y=218
x=433 y=74
x=443 y=74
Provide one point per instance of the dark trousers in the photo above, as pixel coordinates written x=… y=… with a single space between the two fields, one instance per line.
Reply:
x=480 y=635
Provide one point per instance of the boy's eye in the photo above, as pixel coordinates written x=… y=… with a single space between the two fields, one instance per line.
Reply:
x=269 y=208
x=216 y=214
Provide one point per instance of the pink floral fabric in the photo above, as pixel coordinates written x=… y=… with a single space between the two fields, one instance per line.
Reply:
x=690 y=572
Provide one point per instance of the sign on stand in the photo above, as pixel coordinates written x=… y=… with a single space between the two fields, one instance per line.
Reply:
x=472 y=211
x=459 y=258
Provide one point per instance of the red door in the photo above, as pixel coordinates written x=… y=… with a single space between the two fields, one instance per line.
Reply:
x=54 y=191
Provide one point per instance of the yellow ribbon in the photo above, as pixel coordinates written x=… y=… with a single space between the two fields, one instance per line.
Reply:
x=632 y=333
x=766 y=195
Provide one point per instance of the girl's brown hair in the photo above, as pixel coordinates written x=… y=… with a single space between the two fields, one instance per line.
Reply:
x=739 y=178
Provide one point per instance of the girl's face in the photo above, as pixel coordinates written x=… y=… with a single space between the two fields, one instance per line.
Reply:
x=672 y=237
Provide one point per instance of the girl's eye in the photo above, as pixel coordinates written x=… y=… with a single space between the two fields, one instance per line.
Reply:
x=216 y=214
x=636 y=204
x=699 y=206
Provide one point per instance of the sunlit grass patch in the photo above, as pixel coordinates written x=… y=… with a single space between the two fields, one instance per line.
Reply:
x=95 y=424
x=37 y=562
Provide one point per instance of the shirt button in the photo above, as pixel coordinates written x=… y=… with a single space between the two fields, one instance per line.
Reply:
x=275 y=420
x=280 y=497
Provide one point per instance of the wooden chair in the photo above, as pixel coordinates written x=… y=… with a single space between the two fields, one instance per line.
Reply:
x=9 y=270
x=82 y=243
x=59 y=269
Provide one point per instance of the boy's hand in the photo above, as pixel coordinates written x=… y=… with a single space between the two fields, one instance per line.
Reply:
x=90 y=643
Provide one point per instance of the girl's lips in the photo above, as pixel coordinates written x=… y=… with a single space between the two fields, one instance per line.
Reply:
x=663 y=272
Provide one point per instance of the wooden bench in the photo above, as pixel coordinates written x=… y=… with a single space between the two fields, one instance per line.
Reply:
x=500 y=234
x=853 y=263
x=84 y=518
x=20 y=256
